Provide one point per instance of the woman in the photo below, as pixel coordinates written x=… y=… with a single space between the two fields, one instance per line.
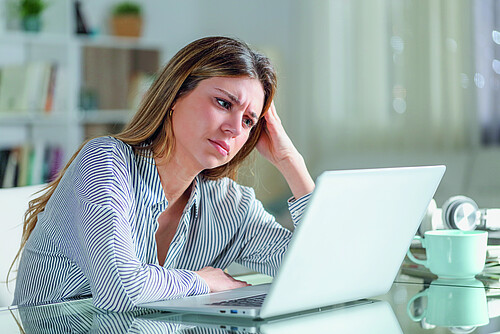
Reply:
x=153 y=212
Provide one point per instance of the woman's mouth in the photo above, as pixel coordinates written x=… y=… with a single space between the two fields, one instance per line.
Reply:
x=220 y=146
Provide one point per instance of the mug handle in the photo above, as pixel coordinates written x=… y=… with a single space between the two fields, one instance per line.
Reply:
x=408 y=306
x=413 y=258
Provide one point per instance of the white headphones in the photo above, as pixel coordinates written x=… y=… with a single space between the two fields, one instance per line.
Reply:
x=459 y=212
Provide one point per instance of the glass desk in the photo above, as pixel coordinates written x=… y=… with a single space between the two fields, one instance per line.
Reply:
x=413 y=305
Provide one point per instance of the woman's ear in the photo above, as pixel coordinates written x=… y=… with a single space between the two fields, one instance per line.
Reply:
x=171 y=110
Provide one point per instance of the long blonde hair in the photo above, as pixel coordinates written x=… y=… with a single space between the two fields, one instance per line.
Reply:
x=151 y=128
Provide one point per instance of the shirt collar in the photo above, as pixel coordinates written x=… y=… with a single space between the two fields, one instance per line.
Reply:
x=153 y=190
x=194 y=199
x=153 y=183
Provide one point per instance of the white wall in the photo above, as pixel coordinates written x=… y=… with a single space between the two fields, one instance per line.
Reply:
x=296 y=35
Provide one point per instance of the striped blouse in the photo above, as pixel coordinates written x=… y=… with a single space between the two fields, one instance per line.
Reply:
x=96 y=235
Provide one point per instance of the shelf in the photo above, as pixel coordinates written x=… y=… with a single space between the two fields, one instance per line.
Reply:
x=43 y=38
x=101 y=79
x=94 y=82
x=117 y=42
x=121 y=116
x=22 y=37
x=27 y=118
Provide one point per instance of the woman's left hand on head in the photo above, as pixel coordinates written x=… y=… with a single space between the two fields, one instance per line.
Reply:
x=274 y=143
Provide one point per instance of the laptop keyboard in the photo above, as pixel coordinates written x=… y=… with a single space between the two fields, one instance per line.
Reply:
x=252 y=301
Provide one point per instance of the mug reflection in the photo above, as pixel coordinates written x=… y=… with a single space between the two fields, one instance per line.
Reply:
x=459 y=305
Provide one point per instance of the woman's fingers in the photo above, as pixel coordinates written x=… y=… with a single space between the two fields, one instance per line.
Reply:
x=218 y=280
x=274 y=144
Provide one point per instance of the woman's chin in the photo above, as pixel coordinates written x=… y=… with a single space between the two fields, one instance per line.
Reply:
x=212 y=164
x=216 y=163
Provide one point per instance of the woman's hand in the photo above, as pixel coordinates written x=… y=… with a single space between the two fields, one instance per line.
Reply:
x=218 y=280
x=275 y=145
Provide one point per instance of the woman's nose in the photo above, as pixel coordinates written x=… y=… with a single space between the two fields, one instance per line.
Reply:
x=232 y=125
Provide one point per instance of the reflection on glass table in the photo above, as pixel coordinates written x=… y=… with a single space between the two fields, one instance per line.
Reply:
x=457 y=304
x=413 y=305
x=366 y=316
x=424 y=305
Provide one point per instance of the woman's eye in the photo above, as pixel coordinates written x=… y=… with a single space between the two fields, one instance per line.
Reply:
x=248 y=122
x=224 y=104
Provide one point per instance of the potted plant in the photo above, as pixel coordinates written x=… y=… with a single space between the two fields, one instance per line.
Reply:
x=127 y=19
x=30 y=12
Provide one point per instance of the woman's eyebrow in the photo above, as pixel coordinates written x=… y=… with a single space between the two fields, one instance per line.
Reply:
x=235 y=100
x=232 y=97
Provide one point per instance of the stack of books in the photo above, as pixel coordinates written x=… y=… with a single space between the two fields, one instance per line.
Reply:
x=31 y=87
x=30 y=164
x=492 y=265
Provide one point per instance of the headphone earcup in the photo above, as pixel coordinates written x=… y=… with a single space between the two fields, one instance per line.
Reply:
x=460 y=212
x=490 y=219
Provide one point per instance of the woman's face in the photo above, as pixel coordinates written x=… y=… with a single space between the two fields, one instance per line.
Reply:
x=213 y=121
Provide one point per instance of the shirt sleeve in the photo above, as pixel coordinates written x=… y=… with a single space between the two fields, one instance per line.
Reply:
x=104 y=248
x=265 y=240
x=297 y=207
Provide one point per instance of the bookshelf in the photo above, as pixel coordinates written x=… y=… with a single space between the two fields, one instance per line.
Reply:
x=58 y=89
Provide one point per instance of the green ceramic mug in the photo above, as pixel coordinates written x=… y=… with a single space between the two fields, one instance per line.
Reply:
x=453 y=253
x=453 y=303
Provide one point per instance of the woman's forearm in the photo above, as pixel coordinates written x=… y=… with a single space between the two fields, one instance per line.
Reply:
x=295 y=172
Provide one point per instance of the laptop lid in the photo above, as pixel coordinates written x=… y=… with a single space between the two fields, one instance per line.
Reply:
x=349 y=244
x=352 y=238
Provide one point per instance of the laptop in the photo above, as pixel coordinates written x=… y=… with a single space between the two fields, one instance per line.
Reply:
x=348 y=246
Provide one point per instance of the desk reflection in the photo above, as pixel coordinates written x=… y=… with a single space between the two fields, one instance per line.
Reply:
x=368 y=316
x=458 y=304
x=80 y=316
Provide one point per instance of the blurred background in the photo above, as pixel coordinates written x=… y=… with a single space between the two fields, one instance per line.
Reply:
x=362 y=83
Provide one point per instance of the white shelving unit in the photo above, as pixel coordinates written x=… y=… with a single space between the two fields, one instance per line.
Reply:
x=68 y=124
x=20 y=48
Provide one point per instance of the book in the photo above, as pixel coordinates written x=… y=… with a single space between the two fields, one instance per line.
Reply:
x=59 y=91
x=51 y=86
x=12 y=88
x=36 y=164
x=30 y=164
x=55 y=162
x=493 y=252
x=34 y=86
x=23 y=165
x=42 y=82
x=4 y=157
x=28 y=87
x=10 y=174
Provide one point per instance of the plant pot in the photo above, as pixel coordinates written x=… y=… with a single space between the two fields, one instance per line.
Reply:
x=32 y=23
x=127 y=25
